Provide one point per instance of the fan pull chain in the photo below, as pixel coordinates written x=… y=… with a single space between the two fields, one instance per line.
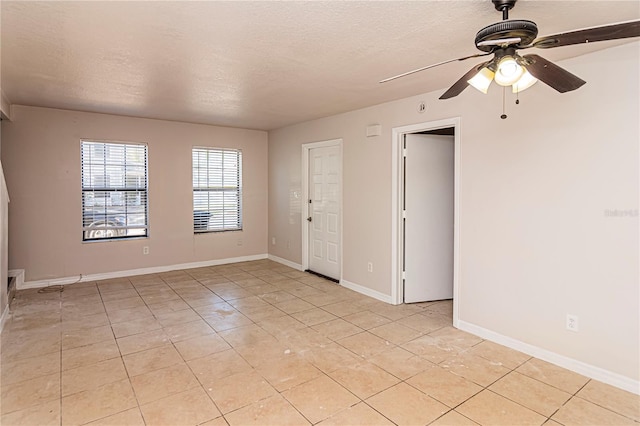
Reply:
x=504 y=96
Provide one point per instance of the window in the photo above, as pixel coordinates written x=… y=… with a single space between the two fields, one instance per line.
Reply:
x=114 y=190
x=217 y=189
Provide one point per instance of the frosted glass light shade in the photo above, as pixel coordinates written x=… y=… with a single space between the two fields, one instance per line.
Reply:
x=526 y=81
x=482 y=80
x=509 y=71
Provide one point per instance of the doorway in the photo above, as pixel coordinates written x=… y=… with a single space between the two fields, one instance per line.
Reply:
x=428 y=218
x=425 y=215
x=322 y=211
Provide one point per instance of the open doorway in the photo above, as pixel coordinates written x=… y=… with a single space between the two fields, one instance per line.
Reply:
x=426 y=159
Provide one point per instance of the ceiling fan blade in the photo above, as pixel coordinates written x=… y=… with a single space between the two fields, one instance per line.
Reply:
x=434 y=65
x=462 y=84
x=589 y=35
x=551 y=74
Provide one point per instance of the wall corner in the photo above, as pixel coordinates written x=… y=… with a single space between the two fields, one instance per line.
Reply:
x=5 y=107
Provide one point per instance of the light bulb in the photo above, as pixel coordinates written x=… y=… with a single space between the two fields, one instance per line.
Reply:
x=526 y=81
x=509 y=71
x=482 y=80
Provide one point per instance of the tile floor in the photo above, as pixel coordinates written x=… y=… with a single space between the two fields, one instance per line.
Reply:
x=260 y=343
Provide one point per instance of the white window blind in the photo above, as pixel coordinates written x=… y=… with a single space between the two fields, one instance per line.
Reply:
x=114 y=190
x=217 y=189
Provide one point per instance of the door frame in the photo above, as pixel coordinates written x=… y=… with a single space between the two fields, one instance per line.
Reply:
x=306 y=148
x=397 y=202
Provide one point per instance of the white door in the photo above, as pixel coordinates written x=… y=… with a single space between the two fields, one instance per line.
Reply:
x=428 y=227
x=324 y=211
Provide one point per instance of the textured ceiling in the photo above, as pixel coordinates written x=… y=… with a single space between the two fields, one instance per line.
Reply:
x=258 y=65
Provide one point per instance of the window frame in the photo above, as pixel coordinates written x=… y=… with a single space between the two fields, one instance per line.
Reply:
x=236 y=188
x=125 y=189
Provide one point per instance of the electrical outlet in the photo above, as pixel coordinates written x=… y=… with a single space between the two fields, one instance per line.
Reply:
x=273 y=241
x=370 y=267
x=572 y=323
x=145 y=250
x=288 y=244
x=239 y=241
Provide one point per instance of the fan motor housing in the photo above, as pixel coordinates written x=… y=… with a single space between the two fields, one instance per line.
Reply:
x=527 y=31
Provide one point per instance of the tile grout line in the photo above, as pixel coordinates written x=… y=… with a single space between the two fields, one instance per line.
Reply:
x=260 y=324
x=133 y=390
x=121 y=360
x=61 y=370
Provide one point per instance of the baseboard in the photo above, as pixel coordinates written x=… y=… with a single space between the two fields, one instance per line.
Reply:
x=286 y=262
x=597 y=373
x=4 y=317
x=366 y=291
x=352 y=286
x=132 y=272
x=19 y=274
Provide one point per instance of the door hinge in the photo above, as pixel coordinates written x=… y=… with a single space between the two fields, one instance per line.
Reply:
x=404 y=275
x=404 y=214
x=404 y=152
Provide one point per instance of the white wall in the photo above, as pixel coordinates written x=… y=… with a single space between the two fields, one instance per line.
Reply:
x=535 y=241
x=41 y=157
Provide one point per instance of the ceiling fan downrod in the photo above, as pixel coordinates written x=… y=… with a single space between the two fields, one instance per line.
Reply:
x=504 y=6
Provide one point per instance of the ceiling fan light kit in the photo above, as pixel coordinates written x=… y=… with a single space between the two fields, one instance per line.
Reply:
x=526 y=81
x=509 y=72
x=482 y=80
x=508 y=68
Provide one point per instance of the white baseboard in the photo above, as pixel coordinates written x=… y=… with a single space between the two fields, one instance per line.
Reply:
x=352 y=286
x=19 y=275
x=132 y=272
x=597 y=373
x=286 y=262
x=366 y=291
x=4 y=317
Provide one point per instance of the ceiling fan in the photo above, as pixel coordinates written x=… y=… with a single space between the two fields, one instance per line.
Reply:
x=508 y=68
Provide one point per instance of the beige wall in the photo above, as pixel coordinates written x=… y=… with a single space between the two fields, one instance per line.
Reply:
x=41 y=156
x=5 y=106
x=4 y=242
x=535 y=241
x=4 y=236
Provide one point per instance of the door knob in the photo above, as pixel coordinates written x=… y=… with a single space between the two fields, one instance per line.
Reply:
x=309 y=219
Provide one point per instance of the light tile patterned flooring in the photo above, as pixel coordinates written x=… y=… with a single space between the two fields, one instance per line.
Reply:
x=260 y=343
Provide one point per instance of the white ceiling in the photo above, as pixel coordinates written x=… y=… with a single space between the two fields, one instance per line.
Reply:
x=257 y=65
